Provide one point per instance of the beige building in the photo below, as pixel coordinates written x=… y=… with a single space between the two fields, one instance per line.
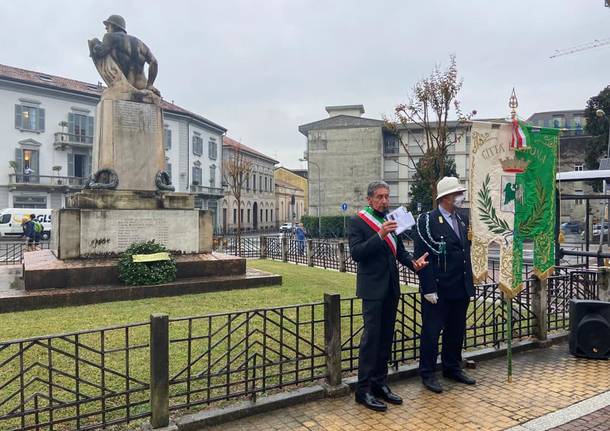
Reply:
x=296 y=180
x=352 y=151
x=289 y=202
x=257 y=210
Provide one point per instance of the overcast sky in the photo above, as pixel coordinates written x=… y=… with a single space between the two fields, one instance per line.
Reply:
x=261 y=68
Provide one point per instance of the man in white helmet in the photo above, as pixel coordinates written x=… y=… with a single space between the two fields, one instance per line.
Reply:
x=446 y=284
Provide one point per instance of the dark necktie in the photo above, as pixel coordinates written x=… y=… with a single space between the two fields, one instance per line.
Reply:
x=454 y=225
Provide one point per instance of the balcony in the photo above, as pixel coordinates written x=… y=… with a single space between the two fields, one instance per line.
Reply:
x=210 y=191
x=64 y=140
x=46 y=182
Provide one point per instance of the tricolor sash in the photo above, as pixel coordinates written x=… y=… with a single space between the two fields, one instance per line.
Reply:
x=375 y=223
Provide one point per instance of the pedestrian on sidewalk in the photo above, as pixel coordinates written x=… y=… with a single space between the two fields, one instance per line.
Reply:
x=376 y=248
x=446 y=285
x=29 y=231
x=300 y=235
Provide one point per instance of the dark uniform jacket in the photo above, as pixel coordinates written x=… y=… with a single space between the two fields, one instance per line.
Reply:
x=377 y=268
x=455 y=281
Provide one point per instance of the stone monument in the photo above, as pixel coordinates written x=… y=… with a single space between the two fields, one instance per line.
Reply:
x=129 y=197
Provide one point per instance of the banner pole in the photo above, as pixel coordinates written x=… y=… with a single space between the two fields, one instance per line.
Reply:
x=509 y=339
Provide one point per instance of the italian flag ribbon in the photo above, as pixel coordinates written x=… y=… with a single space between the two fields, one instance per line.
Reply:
x=518 y=139
x=375 y=222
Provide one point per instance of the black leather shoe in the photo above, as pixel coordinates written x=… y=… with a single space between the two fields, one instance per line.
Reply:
x=369 y=401
x=459 y=376
x=386 y=394
x=432 y=384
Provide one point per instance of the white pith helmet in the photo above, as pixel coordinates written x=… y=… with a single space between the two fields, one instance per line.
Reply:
x=447 y=186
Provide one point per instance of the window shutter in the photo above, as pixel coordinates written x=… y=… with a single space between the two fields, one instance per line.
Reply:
x=19 y=160
x=34 y=163
x=71 y=123
x=90 y=129
x=40 y=125
x=71 y=164
x=18 y=117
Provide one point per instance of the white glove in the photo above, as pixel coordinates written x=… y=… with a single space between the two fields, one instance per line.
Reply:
x=431 y=297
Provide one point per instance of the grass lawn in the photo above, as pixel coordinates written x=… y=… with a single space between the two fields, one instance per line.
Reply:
x=301 y=284
x=215 y=354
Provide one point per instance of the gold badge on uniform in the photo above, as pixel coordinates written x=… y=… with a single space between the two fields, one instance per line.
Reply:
x=440 y=219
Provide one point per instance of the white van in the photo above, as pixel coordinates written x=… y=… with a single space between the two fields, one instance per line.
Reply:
x=10 y=221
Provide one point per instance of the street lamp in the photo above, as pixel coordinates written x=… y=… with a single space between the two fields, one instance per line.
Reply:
x=601 y=114
x=319 y=193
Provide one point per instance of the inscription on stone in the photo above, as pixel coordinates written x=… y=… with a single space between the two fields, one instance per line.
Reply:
x=132 y=117
x=113 y=231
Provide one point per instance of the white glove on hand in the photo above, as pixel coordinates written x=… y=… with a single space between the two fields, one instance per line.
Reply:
x=431 y=297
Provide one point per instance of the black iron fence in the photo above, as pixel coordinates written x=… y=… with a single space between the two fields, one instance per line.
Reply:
x=94 y=379
x=11 y=253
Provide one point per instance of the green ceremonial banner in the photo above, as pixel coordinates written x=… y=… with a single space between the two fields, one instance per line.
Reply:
x=535 y=212
x=512 y=190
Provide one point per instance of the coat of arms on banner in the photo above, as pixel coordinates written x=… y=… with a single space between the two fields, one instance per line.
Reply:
x=512 y=189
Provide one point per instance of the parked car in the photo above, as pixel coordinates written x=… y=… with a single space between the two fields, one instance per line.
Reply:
x=572 y=227
x=11 y=218
x=287 y=228
x=595 y=232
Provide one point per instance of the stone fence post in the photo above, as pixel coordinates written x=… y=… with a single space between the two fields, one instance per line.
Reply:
x=341 y=256
x=263 y=246
x=309 y=252
x=332 y=340
x=540 y=306
x=603 y=283
x=159 y=370
x=284 y=242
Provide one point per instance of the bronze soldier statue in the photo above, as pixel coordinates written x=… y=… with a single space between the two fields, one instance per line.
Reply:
x=122 y=54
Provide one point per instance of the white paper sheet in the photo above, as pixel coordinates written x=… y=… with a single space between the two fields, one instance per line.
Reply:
x=403 y=217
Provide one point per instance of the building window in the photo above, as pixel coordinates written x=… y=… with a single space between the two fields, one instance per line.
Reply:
x=168 y=139
x=29 y=201
x=197 y=145
x=80 y=128
x=27 y=165
x=79 y=164
x=558 y=122
x=212 y=150
x=196 y=175
x=266 y=215
x=234 y=215
x=168 y=169
x=241 y=215
x=253 y=182
x=248 y=219
x=213 y=176
x=266 y=184
x=29 y=118
x=578 y=167
x=390 y=144
x=271 y=214
x=578 y=125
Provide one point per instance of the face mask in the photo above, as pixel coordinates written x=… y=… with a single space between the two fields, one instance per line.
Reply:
x=458 y=201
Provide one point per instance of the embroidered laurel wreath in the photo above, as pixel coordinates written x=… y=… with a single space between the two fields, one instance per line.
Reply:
x=499 y=226
x=146 y=263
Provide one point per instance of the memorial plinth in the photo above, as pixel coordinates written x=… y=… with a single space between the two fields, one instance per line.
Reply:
x=129 y=197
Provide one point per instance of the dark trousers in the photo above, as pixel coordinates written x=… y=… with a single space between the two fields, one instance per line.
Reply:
x=448 y=316
x=376 y=342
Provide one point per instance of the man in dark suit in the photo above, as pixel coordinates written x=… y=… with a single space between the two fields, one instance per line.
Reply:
x=376 y=248
x=446 y=285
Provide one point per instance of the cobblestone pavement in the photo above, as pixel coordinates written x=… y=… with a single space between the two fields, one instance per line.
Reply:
x=596 y=421
x=544 y=381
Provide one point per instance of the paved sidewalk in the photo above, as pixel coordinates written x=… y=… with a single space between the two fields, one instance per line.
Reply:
x=596 y=421
x=545 y=381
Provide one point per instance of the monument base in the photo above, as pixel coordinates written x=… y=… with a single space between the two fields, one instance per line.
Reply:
x=43 y=270
x=92 y=233
x=130 y=200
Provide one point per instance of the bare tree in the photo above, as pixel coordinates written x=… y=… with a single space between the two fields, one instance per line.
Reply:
x=428 y=108
x=236 y=170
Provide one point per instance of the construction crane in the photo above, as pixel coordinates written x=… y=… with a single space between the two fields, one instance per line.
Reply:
x=582 y=47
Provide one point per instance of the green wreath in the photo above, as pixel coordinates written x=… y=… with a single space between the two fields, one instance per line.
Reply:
x=142 y=273
x=488 y=214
